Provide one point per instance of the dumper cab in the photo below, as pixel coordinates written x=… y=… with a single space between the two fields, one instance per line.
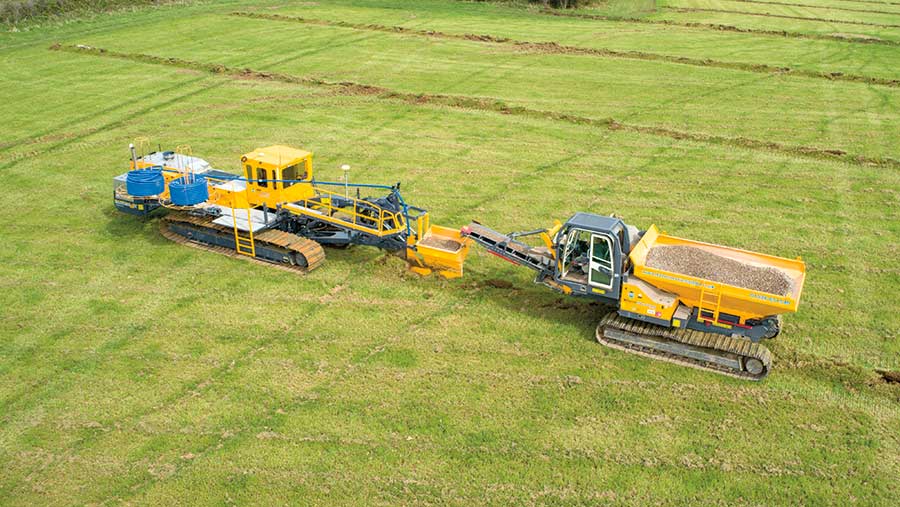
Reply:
x=592 y=252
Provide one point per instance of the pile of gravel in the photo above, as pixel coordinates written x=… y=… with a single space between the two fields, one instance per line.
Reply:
x=700 y=263
x=441 y=243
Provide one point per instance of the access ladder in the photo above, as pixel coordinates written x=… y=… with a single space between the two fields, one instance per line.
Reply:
x=243 y=242
x=710 y=301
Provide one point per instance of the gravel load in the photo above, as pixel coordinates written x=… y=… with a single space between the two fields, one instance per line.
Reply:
x=700 y=263
x=441 y=243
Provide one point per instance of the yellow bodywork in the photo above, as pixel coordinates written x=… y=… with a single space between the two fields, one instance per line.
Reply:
x=267 y=168
x=425 y=256
x=266 y=171
x=641 y=298
x=385 y=224
x=710 y=296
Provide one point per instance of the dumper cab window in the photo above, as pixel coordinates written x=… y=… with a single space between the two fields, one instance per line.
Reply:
x=261 y=177
x=576 y=256
x=601 y=261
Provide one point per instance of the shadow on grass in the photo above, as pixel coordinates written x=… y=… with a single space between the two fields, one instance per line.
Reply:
x=123 y=225
x=536 y=301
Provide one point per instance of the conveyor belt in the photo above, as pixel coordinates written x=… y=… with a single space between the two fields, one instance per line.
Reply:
x=501 y=245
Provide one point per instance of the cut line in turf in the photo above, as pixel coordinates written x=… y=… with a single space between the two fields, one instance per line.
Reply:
x=825 y=7
x=724 y=28
x=689 y=10
x=561 y=49
x=872 y=2
x=485 y=104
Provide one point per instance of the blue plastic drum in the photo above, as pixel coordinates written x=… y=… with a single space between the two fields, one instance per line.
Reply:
x=188 y=194
x=145 y=182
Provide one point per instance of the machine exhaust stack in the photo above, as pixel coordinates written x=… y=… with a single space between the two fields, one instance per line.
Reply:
x=133 y=156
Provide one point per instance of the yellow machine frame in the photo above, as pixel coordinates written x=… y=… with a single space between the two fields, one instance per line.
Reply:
x=709 y=296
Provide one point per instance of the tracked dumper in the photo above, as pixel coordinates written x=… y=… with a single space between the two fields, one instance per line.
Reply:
x=275 y=211
x=686 y=302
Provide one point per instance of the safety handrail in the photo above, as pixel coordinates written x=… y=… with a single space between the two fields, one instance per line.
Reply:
x=406 y=216
x=350 y=209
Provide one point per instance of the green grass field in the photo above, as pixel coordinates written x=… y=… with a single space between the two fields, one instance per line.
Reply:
x=137 y=371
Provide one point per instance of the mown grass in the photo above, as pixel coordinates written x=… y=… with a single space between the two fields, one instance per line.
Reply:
x=831 y=11
x=133 y=370
x=623 y=35
x=747 y=15
x=729 y=102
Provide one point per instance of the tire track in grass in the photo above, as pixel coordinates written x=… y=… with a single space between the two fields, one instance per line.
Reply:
x=808 y=6
x=726 y=28
x=557 y=48
x=66 y=140
x=872 y=2
x=279 y=415
x=59 y=132
x=195 y=387
x=689 y=10
x=491 y=105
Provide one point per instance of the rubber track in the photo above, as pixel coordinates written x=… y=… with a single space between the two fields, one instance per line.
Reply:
x=708 y=341
x=309 y=249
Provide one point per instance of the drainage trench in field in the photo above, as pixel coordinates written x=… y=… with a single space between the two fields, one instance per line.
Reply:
x=825 y=7
x=490 y=105
x=727 y=28
x=689 y=10
x=556 y=48
x=872 y=2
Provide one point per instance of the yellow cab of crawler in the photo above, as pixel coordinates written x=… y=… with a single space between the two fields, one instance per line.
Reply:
x=272 y=173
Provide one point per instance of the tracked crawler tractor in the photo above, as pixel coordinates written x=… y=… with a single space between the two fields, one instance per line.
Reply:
x=686 y=302
x=276 y=212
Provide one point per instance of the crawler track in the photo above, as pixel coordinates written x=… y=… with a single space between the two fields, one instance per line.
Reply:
x=713 y=352
x=306 y=253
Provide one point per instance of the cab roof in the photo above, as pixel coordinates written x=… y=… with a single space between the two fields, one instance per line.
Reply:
x=276 y=155
x=592 y=222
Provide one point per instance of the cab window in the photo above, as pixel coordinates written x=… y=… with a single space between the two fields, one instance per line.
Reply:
x=601 y=261
x=575 y=256
x=261 y=177
x=288 y=173
x=601 y=251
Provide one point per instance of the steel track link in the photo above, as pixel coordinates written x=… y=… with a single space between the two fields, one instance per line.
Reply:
x=711 y=343
x=309 y=249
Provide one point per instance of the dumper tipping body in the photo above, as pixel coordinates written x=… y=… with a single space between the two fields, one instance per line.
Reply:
x=718 y=299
